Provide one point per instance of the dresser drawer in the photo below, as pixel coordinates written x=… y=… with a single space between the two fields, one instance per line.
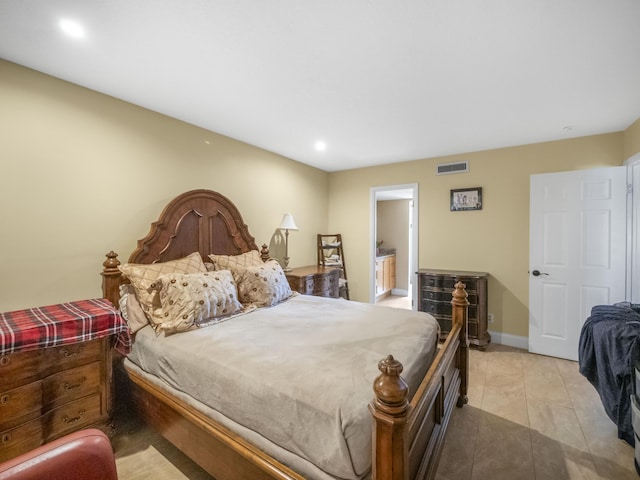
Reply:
x=326 y=286
x=438 y=281
x=72 y=416
x=20 y=439
x=436 y=308
x=308 y=285
x=71 y=384
x=75 y=354
x=445 y=296
x=20 y=405
x=19 y=368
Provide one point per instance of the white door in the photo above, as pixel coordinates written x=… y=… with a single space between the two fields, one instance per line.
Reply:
x=577 y=253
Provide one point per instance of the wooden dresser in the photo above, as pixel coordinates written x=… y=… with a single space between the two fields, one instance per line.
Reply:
x=47 y=393
x=434 y=291
x=56 y=372
x=315 y=280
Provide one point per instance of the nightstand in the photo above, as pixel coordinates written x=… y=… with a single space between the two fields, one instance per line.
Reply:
x=315 y=280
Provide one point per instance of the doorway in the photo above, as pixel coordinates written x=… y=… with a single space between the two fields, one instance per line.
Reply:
x=399 y=219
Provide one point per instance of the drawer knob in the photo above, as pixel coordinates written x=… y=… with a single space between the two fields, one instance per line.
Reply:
x=4 y=361
x=6 y=438
x=69 y=420
x=67 y=387
x=65 y=352
x=5 y=399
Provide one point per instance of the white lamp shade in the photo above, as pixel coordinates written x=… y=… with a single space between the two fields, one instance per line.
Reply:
x=288 y=223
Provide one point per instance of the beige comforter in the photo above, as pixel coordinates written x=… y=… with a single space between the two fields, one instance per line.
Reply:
x=299 y=373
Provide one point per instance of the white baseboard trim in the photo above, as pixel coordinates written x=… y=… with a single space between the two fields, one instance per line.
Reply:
x=400 y=292
x=515 y=341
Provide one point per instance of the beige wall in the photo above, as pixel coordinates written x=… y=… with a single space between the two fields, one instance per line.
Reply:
x=495 y=239
x=632 y=139
x=84 y=173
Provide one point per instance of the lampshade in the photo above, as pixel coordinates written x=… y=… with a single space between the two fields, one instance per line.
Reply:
x=288 y=223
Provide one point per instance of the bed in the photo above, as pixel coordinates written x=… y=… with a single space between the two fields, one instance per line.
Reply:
x=406 y=415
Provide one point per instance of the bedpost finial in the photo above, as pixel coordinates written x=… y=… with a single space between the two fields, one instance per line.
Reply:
x=459 y=294
x=264 y=252
x=390 y=388
x=111 y=262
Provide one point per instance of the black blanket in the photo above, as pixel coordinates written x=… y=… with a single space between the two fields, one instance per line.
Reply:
x=608 y=350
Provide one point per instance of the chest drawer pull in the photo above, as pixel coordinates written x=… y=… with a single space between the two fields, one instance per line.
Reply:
x=67 y=387
x=4 y=361
x=6 y=438
x=65 y=352
x=66 y=419
x=5 y=399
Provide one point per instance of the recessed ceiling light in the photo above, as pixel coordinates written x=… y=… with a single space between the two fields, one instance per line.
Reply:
x=71 y=28
x=321 y=146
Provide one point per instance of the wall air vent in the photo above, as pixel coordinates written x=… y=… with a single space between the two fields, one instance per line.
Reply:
x=457 y=167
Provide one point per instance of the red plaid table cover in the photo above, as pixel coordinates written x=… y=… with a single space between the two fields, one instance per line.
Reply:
x=62 y=324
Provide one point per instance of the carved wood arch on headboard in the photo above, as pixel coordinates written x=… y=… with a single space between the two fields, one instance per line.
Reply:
x=201 y=221
x=197 y=221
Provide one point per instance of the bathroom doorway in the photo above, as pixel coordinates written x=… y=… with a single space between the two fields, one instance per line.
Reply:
x=394 y=245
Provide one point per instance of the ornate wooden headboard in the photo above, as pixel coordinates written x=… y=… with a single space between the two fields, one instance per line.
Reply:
x=197 y=221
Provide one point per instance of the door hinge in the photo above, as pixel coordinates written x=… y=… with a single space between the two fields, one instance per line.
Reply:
x=629 y=189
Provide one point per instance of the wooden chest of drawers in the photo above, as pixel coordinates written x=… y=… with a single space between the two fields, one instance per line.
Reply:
x=434 y=290
x=49 y=392
x=315 y=280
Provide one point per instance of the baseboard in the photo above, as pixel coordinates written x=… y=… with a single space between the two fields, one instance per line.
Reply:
x=515 y=341
x=400 y=292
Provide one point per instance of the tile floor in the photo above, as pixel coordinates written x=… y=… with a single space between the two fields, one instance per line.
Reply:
x=395 y=301
x=529 y=417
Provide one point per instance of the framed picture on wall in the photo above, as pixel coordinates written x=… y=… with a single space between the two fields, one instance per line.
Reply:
x=466 y=199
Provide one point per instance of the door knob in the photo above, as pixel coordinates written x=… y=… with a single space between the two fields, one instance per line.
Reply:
x=537 y=273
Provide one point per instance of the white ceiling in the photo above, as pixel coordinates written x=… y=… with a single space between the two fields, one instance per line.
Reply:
x=379 y=81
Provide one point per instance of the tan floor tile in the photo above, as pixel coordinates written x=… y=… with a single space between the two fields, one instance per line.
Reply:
x=142 y=454
x=506 y=399
x=460 y=443
x=554 y=460
x=503 y=451
x=546 y=386
x=556 y=422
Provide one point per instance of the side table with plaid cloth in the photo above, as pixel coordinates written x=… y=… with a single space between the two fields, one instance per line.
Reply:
x=56 y=371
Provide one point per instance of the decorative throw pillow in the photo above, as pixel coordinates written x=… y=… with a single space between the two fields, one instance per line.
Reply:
x=194 y=298
x=131 y=309
x=229 y=262
x=262 y=286
x=143 y=277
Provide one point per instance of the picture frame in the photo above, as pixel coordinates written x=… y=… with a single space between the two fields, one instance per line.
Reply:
x=464 y=199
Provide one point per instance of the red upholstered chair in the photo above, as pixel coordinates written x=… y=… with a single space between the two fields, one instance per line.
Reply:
x=82 y=455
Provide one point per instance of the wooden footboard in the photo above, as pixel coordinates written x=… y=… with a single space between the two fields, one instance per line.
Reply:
x=408 y=436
